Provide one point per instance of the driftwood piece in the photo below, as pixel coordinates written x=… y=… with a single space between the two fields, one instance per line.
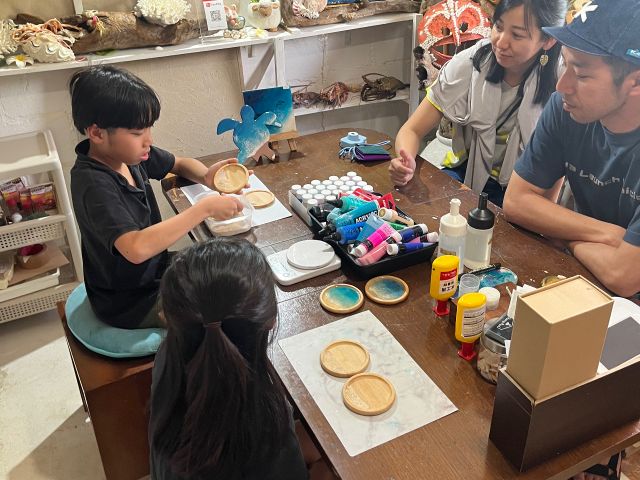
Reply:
x=120 y=30
x=347 y=13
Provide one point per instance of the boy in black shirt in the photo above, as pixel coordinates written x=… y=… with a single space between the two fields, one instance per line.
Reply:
x=124 y=240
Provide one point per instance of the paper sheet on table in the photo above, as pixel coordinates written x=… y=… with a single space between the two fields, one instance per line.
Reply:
x=418 y=400
x=275 y=211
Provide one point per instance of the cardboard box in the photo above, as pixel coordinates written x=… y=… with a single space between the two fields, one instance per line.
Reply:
x=558 y=336
x=528 y=432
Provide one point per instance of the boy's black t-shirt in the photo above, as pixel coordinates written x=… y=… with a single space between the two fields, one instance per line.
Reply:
x=106 y=206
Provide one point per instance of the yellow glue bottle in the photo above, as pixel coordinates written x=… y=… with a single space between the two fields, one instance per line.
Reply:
x=470 y=322
x=444 y=282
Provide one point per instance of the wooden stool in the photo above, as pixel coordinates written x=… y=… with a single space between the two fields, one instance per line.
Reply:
x=115 y=393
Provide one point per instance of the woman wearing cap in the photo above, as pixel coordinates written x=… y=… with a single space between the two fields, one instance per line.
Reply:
x=493 y=93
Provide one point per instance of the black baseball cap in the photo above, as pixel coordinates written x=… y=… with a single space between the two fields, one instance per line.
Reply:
x=604 y=28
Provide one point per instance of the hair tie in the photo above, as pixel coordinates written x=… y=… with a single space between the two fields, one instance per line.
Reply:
x=212 y=325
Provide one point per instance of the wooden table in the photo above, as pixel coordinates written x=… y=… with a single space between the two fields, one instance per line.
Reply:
x=453 y=447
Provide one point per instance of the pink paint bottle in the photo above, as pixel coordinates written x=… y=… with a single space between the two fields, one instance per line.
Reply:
x=375 y=254
x=376 y=238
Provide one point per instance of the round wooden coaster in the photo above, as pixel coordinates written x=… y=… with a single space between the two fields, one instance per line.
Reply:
x=260 y=198
x=341 y=298
x=368 y=394
x=387 y=289
x=344 y=358
x=231 y=178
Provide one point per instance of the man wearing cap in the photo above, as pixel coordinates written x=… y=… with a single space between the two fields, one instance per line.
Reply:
x=589 y=132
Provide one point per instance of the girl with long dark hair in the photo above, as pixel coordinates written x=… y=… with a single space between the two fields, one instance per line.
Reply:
x=493 y=93
x=218 y=410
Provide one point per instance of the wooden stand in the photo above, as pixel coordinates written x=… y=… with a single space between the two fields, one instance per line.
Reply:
x=274 y=141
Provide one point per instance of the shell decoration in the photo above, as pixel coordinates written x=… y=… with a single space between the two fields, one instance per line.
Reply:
x=308 y=8
x=264 y=14
x=162 y=12
x=7 y=44
x=46 y=43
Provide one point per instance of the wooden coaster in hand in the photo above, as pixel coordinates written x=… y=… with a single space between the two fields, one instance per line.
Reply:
x=368 y=394
x=260 y=198
x=231 y=178
x=344 y=358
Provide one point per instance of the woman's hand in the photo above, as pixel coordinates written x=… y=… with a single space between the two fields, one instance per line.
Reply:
x=402 y=168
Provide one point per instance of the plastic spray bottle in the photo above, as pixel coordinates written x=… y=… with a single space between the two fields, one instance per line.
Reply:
x=453 y=231
x=470 y=322
x=480 y=220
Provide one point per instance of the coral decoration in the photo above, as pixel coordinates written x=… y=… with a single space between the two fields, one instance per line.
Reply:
x=451 y=22
x=7 y=44
x=162 y=12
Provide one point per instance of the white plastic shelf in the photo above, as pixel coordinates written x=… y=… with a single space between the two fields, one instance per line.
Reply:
x=37 y=302
x=26 y=233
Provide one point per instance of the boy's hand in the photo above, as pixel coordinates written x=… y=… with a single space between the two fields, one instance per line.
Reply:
x=208 y=177
x=401 y=169
x=220 y=207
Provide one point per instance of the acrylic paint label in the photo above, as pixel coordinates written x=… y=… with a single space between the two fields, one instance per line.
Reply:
x=447 y=281
x=473 y=321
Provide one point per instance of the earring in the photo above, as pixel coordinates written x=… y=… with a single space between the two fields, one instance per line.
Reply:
x=544 y=58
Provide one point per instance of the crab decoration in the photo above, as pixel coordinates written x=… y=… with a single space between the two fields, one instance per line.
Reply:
x=451 y=22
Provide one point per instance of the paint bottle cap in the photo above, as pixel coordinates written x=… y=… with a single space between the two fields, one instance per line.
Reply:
x=344 y=178
x=305 y=198
x=312 y=191
x=359 y=251
x=368 y=188
x=481 y=217
x=356 y=178
x=312 y=203
x=345 y=189
x=330 y=198
x=307 y=186
x=361 y=183
x=352 y=174
x=327 y=182
x=453 y=224
x=315 y=182
x=393 y=249
x=334 y=178
x=326 y=192
x=296 y=187
x=319 y=197
x=332 y=188
x=299 y=193
x=350 y=183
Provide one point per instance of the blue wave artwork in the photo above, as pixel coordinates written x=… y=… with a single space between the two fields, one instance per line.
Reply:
x=250 y=134
x=277 y=100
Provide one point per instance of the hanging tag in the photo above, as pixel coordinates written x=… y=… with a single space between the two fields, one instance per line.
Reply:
x=215 y=15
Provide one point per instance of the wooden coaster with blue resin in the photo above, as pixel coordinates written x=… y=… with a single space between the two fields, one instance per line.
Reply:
x=387 y=289
x=341 y=298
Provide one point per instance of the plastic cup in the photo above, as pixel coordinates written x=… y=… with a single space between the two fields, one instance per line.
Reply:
x=468 y=283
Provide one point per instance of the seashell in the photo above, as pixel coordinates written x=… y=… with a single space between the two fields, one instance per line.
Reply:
x=44 y=47
x=7 y=44
x=162 y=12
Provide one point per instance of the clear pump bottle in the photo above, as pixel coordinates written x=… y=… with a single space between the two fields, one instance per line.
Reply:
x=480 y=221
x=453 y=231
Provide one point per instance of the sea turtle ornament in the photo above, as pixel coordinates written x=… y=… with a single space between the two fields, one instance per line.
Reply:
x=251 y=135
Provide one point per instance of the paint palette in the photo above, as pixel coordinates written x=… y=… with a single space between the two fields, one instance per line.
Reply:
x=368 y=394
x=387 y=290
x=231 y=178
x=341 y=298
x=344 y=358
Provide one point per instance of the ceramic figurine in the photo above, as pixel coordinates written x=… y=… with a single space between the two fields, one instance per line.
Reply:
x=162 y=12
x=264 y=14
x=235 y=23
x=309 y=8
x=251 y=135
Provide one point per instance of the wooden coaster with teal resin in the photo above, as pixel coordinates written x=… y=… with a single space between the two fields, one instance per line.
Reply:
x=341 y=298
x=387 y=289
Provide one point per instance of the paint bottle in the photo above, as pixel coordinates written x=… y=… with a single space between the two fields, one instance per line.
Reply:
x=409 y=233
x=453 y=231
x=375 y=254
x=400 y=248
x=480 y=220
x=431 y=237
x=444 y=282
x=469 y=322
x=393 y=216
x=346 y=234
x=348 y=203
x=358 y=214
x=375 y=239
x=373 y=223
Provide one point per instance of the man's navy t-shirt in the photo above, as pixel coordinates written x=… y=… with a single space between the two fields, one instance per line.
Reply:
x=106 y=206
x=603 y=168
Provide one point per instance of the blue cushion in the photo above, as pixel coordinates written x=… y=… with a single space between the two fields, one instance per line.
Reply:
x=104 y=339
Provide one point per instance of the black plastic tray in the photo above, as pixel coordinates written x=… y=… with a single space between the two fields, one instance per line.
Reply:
x=385 y=265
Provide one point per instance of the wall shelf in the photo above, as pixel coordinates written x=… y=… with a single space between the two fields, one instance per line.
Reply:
x=354 y=100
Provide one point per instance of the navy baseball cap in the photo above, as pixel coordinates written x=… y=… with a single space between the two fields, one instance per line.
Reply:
x=604 y=28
